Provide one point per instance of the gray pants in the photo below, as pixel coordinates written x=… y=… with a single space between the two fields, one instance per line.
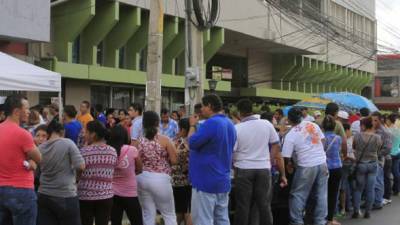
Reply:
x=253 y=186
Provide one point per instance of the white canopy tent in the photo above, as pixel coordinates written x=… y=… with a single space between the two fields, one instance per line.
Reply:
x=17 y=75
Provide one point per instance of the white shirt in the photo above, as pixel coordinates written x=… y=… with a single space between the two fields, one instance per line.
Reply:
x=252 y=145
x=305 y=141
x=350 y=151
x=355 y=127
x=309 y=118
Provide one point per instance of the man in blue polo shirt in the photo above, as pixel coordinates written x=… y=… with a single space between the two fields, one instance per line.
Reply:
x=211 y=148
x=72 y=126
x=168 y=126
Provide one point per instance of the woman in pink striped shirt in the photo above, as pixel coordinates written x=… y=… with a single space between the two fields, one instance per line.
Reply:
x=95 y=185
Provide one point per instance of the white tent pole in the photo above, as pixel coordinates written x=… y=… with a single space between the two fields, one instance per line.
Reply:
x=60 y=106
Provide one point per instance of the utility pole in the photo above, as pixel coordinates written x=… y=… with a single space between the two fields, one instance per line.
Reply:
x=194 y=62
x=154 y=56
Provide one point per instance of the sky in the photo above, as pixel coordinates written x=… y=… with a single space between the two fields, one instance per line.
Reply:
x=388 y=18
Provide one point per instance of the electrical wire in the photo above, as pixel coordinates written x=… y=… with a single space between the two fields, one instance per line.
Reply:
x=320 y=25
x=205 y=18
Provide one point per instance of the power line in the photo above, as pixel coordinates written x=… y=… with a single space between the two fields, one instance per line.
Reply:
x=315 y=23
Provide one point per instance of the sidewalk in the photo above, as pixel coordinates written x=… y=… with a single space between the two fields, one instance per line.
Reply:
x=389 y=215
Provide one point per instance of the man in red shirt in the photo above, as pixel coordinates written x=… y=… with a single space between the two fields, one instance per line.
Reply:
x=353 y=117
x=18 y=156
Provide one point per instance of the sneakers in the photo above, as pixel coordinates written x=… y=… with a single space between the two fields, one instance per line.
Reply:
x=377 y=207
x=386 y=201
x=367 y=215
x=341 y=214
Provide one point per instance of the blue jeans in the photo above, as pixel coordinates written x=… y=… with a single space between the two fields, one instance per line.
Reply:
x=396 y=173
x=17 y=206
x=379 y=187
x=365 y=180
x=209 y=208
x=305 y=180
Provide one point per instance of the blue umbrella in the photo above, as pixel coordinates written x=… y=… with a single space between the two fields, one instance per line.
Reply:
x=314 y=103
x=286 y=110
x=350 y=100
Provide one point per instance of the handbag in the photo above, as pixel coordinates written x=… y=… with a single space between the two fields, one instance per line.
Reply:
x=353 y=174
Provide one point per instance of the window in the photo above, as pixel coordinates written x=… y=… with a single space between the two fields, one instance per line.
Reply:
x=388 y=64
x=387 y=86
x=122 y=57
x=75 y=50
x=100 y=95
x=139 y=96
x=100 y=50
x=143 y=60
x=358 y=28
x=177 y=99
x=369 y=31
x=312 y=9
x=291 y=5
x=121 y=97
x=165 y=99
x=337 y=15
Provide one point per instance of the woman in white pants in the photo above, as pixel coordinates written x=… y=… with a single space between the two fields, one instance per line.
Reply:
x=154 y=184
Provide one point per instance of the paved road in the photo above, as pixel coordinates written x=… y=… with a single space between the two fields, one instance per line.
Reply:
x=390 y=215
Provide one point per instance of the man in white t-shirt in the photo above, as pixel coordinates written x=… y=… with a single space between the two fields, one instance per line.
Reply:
x=306 y=116
x=251 y=159
x=305 y=142
x=355 y=126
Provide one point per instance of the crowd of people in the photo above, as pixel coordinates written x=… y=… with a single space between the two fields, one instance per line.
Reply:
x=212 y=167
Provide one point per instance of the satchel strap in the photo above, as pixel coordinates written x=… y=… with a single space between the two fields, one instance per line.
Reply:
x=363 y=151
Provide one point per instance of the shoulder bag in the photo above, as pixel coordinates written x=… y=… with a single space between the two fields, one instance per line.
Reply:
x=353 y=174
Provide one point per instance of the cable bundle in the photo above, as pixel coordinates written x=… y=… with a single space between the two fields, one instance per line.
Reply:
x=205 y=17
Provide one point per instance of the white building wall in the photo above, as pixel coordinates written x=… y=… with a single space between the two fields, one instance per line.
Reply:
x=76 y=91
x=25 y=20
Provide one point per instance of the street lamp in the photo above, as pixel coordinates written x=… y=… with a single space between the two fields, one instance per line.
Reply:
x=212 y=84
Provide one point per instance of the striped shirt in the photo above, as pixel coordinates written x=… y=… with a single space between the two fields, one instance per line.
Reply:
x=96 y=180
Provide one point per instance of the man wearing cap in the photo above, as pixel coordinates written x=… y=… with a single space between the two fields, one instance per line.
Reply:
x=343 y=116
x=355 y=126
x=317 y=115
